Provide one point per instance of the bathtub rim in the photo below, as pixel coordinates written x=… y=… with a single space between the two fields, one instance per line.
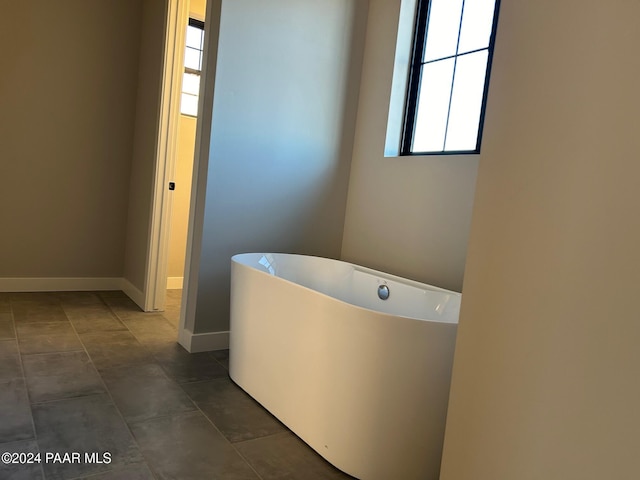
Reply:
x=235 y=259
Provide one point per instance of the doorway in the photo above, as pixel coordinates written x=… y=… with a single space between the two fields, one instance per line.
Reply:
x=175 y=159
x=184 y=154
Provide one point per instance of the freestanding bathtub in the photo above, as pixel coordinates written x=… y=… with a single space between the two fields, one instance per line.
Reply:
x=362 y=380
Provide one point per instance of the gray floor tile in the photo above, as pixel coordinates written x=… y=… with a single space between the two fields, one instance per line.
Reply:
x=111 y=294
x=188 y=447
x=152 y=329
x=183 y=366
x=173 y=297
x=60 y=375
x=44 y=328
x=114 y=349
x=28 y=312
x=122 y=306
x=136 y=314
x=49 y=343
x=100 y=338
x=139 y=471
x=172 y=314
x=30 y=471
x=8 y=347
x=79 y=298
x=10 y=367
x=222 y=356
x=31 y=298
x=171 y=352
x=91 y=309
x=94 y=319
x=238 y=416
x=96 y=323
x=286 y=456
x=143 y=391
x=5 y=303
x=15 y=413
x=6 y=329
x=197 y=371
x=86 y=425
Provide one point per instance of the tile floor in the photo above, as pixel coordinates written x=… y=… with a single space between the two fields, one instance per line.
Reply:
x=88 y=372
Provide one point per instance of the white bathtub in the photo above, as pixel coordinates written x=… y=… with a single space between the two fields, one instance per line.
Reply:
x=363 y=381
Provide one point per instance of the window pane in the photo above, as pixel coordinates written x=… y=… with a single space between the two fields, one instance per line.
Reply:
x=192 y=58
x=433 y=105
x=477 y=21
x=442 y=29
x=194 y=37
x=466 y=101
x=191 y=83
x=189 y=104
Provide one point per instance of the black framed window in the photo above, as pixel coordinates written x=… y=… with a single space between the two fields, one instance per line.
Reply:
x=449 y=76
x=192 y=67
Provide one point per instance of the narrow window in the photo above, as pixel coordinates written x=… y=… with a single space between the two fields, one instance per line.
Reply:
x=192 y=67
x=449 y=76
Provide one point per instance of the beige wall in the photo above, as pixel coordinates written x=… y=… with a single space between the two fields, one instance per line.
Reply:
x=545 y=383
x=197 y=9
x=67 y=106
x=410 y=215
x=181 y=195
x=149 y=84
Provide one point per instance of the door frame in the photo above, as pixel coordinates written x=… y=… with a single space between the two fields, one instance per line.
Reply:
x=157 y=259
x=162 y=202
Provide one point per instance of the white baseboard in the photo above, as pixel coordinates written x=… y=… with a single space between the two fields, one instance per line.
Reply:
x=64 y=284
x=132 y=292
x=203 y=342
x=193 y=342
x=174 y=283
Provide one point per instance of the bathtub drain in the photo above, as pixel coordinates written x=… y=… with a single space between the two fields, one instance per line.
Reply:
x=383 y=292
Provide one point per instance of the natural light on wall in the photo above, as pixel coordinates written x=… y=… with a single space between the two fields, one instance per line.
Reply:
x=449 y=76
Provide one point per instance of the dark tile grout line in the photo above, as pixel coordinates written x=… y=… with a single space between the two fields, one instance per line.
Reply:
x=49 y=353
